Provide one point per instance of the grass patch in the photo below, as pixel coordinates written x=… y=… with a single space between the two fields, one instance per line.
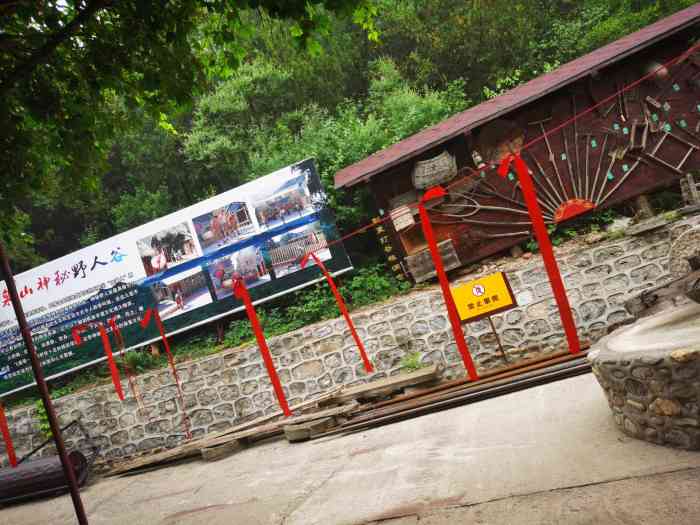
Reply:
x=411 y=362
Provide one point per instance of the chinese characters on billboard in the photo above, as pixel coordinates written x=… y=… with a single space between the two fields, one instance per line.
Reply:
x=183 y=264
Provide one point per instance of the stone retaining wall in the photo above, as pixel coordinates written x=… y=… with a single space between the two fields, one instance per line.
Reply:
x=231 y=387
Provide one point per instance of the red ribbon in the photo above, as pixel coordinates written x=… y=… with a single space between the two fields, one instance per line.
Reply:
x=171 y=362
x=342 y=307
x=114 y=371
x=75 y=331
x=542 y=236
x=455 y=321
x=146 y=318
x=129 y=375
x=5 y=430
x=241 y=292
x=107 y=346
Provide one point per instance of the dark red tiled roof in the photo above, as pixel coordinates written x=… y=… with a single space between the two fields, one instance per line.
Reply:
x=521 y=95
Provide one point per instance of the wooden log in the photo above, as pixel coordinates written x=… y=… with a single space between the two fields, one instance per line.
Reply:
x=643 y=205
x=40 y=477
x=185 y=451
x=647 y=225
x=420 y=407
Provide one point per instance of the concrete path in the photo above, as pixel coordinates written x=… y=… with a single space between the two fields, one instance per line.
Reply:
x=546 y=455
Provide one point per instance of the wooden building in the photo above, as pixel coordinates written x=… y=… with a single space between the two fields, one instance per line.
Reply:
x=636 y=140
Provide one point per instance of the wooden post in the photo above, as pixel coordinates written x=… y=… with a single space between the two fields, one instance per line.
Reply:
x=498 y=340
x=644 y=208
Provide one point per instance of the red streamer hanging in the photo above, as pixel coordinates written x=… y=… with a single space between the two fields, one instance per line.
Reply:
x=129 y=374
x=434 y=193
x=5 y=431
x=342 y=307
x=241 y=292
x=545 y=245
x=114 y=371
x=107 y=346
x=171 y=362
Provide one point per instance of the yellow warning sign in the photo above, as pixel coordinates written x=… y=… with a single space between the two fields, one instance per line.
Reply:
x=482 y=297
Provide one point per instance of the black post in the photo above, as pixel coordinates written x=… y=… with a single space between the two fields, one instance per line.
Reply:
x=43 y=389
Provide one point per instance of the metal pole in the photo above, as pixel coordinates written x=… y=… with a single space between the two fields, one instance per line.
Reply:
x=43 y=389
x=545 y=244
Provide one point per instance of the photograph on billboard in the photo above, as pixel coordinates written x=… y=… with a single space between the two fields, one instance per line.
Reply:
x=181 y=293
x=223 y=226
x=287 y=249
x=183 y=264
x=166 y=249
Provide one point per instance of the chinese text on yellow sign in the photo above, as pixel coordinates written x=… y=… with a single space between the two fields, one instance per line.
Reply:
x=482 y=297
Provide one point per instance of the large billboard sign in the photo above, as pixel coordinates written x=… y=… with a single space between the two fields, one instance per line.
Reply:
x=183 y=264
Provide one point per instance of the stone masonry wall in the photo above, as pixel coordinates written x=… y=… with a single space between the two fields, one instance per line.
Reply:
x=232 y=386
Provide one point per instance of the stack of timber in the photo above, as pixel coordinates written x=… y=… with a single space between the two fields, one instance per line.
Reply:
x=216 y=445
x=351 y=409
x=311 y=418
x=461 y=391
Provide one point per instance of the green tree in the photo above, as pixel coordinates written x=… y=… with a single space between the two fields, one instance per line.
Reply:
x=62 y=62
x=392 y=110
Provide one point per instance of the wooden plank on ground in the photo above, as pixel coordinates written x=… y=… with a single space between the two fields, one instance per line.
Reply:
x=504 y=379
x=277 y=414
x=305 y=431
x=385 y=386
x=492 y=375
x=174 y=454
x=221 y=451
x=274 y=428
x=255 y=429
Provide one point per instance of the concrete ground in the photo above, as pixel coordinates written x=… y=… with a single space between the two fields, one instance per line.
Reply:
x=550 y=454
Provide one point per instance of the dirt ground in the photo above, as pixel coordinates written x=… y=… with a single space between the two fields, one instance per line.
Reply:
x=550 y=454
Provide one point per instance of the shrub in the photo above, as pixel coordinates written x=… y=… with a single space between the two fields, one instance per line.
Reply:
x=411 y=362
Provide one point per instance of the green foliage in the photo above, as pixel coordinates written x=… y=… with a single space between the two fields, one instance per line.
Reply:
x=43 y=418
x=142 y=360
x=590 y=24
x=313 y=304
x=392 y=110
x=21 y=244
x=372 y=284
x=666 y=200
x=134 y=209
x=64 y=64
x=603 y=217
x=672 y=215
x=616 y=234
x=411 y=362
